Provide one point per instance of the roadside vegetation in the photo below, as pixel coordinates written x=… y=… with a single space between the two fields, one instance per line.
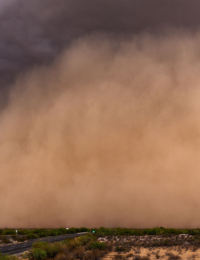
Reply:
x=8 y=236
x=85 y=247
x=143 y=232
x=122 y=243
x=7 y=257
x=42 y=232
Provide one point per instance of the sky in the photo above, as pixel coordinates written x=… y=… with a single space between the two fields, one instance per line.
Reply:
x=99 y=113
x=35 y=32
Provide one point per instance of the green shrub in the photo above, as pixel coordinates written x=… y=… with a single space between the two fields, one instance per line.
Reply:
x=5 y=240
x=31 y=236
x=97 y=245
x=37 y=254
x=14 y=237
x=37 y=231
x=23 y=231
x=21 y=239
x=53 y=233
x=72 y=230
x=121 y=249
x=86 y=239
x=72 y=243
x=9 y=232
x=51 y=249
x=39 y=244
x=42 y=234
x=7 y=257
x=62 y=231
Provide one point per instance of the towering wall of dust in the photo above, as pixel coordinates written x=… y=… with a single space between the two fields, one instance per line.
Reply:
x=107 y=136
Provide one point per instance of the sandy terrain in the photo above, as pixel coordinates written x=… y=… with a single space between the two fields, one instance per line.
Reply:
x=185 y=254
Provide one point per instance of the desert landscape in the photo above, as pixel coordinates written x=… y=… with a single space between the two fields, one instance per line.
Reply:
x=107 y=244
x=145 y=248
x=99 y=129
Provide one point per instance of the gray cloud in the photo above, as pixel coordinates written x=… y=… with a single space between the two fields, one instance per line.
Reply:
x=34 y=32
x=5 y=4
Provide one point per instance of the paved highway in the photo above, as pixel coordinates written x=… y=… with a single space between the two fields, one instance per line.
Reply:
x=21 y=247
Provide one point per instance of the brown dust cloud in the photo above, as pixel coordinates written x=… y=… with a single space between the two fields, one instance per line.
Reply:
x=107 y=135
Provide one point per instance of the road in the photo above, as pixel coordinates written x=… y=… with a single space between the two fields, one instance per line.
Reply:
x=21 y=247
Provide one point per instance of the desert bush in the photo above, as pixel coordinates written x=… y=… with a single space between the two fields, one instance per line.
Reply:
x=23 y=231
x=137 y=232
x=109 y=246
x=120 y=249
x=137 y=251
x=43 y=234
x=194 y=249
x=7 y=257
x=14 y=237
x=51 y=249
x=72 y=244
x=116 y=257
x=108 y=231
x=39 y=244
x=98 y=254
x=89 y=255
x=86 y=239
x=31 y=236
x=53 y=233
x=36 y=231
x=37 y=254
x=145 y=258
x=54 y=249
x=138 y=257
x=129 y=255
x=61 y=231
x=8 y=232
x=171 y=256
x=21 y=239
x=79 y=253
x=5 y=240
x=61 y=256
x=97 y=245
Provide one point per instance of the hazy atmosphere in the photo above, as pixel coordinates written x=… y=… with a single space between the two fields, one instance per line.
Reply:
x=99 y=115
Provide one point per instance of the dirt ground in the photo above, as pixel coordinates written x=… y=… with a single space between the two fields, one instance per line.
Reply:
x=160 y=253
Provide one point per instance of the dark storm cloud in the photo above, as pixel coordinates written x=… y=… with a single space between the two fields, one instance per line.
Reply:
x=34 y=32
